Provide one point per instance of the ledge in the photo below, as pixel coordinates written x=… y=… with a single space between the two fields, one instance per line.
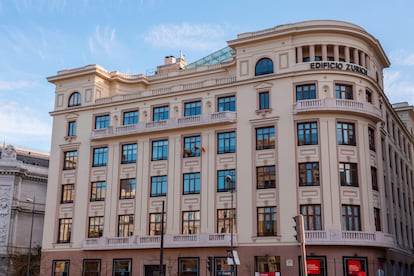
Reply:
x=358 y=238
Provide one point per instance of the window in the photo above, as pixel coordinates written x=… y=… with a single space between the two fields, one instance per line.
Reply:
x=191 y=183
x=222 y=183
x=368 y=96
x=159 y=150
x=91 y=268
x=161 y=113
x=267 y=263
x=305 y=92
x=226 y=218
x=221 y=267
x=316 y=266
x=98 y=191
x=125 y=225
x=130 y=117
x=65 y=229
x=122 y=267
x=101 y=121
x=346 y=133
x=68 y=191
x=191 y=222
x=311 y=216
x=155 y=224
x=70 y=160
x=264 y=66
x=266 y=177
x=72 y=128
x=74 y=99
x=100 y=157
x=127 y=188
x=192 y=108
x=226 y=103
x=377 y=219
x=309 y=174
x=351 y=218
x=226 y=142
x=374 y=178
x=264 y=101
x=159 y=185
x=307 y=133
x=354 y=265
x=129 y=153
x=192 y=146
x=344 y=92
x=188 y=266
x=371 y=138
x=348 y=174
x=60 y=268
x=96 y=225
x=265 y=138
x=266 y=221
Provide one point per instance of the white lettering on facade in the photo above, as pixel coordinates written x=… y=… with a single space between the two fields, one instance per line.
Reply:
x=338 y=66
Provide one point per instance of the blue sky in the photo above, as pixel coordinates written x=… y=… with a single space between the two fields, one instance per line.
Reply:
x=40 y=37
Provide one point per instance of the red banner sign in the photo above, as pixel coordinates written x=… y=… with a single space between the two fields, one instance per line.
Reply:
x=354 y=266
x=314 y=267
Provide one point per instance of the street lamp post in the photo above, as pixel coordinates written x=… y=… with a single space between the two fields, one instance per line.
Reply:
x=230 y=186
x=29 y=255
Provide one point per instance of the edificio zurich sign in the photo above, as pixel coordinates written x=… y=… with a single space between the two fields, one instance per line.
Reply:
x=338 y=66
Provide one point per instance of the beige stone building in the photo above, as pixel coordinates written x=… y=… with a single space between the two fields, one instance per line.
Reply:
x=294 y=117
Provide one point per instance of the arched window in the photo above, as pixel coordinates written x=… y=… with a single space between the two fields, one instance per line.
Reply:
x=264 y=66
x=74 y=99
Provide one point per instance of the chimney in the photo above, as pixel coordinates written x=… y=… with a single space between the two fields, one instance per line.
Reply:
x=169 y=60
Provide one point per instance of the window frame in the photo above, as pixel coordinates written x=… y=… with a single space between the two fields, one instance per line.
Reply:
x=127 y=188
x=61 y=273
x=344 y=91
x=267 y=212
x=67 y=195
x=363 y=262
x=351 y=221
x=264 y=66
x=184 y=270
x=348 y=174
x=264 y=100
x=70 y=160
x=125 y=225
x=222 y=185
x=75 y=99
x=159 y=150
x=65 y=230
x=116 y=271
x=265 y=134
x=310 y=171
x=130 y=117
x=371 y=138
x=374 y=178
x=305 y=91
x=159 y=185
x=346 y=133
x=129 y=153
x=191 y=183
x=155 y=223
x=100 y=157
x=226 y=142
x=99 y=190
x=191 y=146
x=226 y=103
x=266 y=176
x=102 y=121
x=307 y=133
x=191 y=226
x=192 y=108
x=71 y=128
x=160 y=113
x=225 y=217
x=95 y=272
x=312 y=217
x=96 y=225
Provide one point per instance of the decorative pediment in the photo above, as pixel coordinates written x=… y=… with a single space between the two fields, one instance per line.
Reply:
x=71 y=115
x=265 y=86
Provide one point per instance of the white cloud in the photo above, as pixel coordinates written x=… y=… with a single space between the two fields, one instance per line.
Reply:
x=402 y=57
x=398 y=88
x=14 y=85
x=188 y=36
x=102 y=40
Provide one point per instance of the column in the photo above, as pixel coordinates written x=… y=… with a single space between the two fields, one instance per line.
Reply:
x=312 y=52
x=299 y=54
x=336 y=52
x=362 y=59
x=347 y=58
x=356 y=56
x=324 y=52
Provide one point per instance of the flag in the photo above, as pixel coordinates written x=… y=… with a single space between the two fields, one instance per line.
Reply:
x=186 y=151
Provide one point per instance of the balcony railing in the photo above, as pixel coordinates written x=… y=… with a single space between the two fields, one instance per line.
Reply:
x=333 y=105
x=172 y=123
x=338 y=237
x=170 y=241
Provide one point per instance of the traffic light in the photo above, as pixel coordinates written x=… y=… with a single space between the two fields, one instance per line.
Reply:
x=209 y=263
x=298 y=228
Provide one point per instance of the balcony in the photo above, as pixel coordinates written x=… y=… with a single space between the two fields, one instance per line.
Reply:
x=337 y=105
x=359 y=238
x=170 y=241
x=172 y=123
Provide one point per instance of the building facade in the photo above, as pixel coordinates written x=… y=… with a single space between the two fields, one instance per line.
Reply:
x=23 y=181
x=284 y=121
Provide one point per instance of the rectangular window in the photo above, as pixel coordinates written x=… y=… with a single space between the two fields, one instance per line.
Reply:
x=267 y=264
x=221 y=267
x=130 y=117
x=159 y=185
x=223 y=184
x=161 y=113
x=155 y=224
x=191 y=183
x=192 y=146
x=316 y=266
x=226 y=104
x=226 y=142
x=351 y=218
x=65 y=229
x=72 y=128
x=189 y=266
x=226 y=219
x=68 y=191
x=98 y=191
x=122 y=267
x=371 y=138
x=129 y=153
x=377 y=219
x=128 y=187
x=305 y=92
x=101 y=121
x=374 y=178
x=307 y=133
x=70 y=160
x=60 y=268
x=96 y=225
x=354 y=265
x=368 y=96
x=266 y=177
x=309 y=174
x=346 y=133
x=348 y=173
x=125 y=225
x=264 y=101
x=100 y=157
x=91 y=268
x=311 y=216
x=265 y=138
x=159 y=150
x=344 y=92
x=266 y=221
x=191 y=222
x=192 y=108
